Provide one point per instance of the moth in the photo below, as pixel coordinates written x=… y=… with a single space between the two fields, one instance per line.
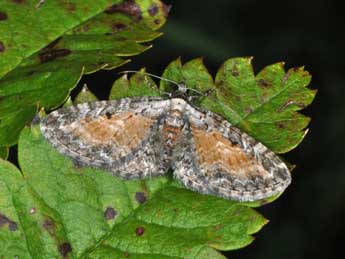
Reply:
x=143 y=137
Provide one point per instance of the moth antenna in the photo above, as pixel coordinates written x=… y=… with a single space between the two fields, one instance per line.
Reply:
x=194 y=90
x=179 y=85
x=149 y=74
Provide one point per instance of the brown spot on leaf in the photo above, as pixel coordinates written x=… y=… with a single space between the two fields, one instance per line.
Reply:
x=49 y=225
x=77 y=30
x=118 y=26
x=3 y=220
x=153 y=10
x=140 y=197
x=248 y=110
x=235 y=72
x=166 y=9
x=126 y=254
x=64 y=249
x=12 y=226
x=2 y=46
x=68 y=5
x=280 y=125
x=110 y=213
x=53 y=54
x=140 y=78
x=71 y=6
x=111 y=9
x=86 y=28
x=19 y=1
x=51 y=45
x=139 y=231
x=263 y=83
x=157 y=21
x=128 y=7
x=3 y=16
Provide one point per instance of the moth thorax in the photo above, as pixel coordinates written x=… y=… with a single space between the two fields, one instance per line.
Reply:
x=174 y=119
x=171 y=134
x=172 y=128
x=178 y=104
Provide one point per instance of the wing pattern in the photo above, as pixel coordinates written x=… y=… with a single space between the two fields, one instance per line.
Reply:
x=217 y=158
x=118 y=136
x=144 y=137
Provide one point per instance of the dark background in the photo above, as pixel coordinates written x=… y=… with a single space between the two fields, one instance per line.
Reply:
x=308 y=220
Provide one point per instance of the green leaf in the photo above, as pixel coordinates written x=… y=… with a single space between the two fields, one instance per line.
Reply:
x=265 y=106
x=138 y=85
x=58 y=209
x=14 y=197
x=4 y=152
x=40 y=66
x=85 y=96
x=193 y=74
x=48 y=22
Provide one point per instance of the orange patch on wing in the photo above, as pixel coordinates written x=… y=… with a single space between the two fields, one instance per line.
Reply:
x=124 y=129
x=214 y=149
